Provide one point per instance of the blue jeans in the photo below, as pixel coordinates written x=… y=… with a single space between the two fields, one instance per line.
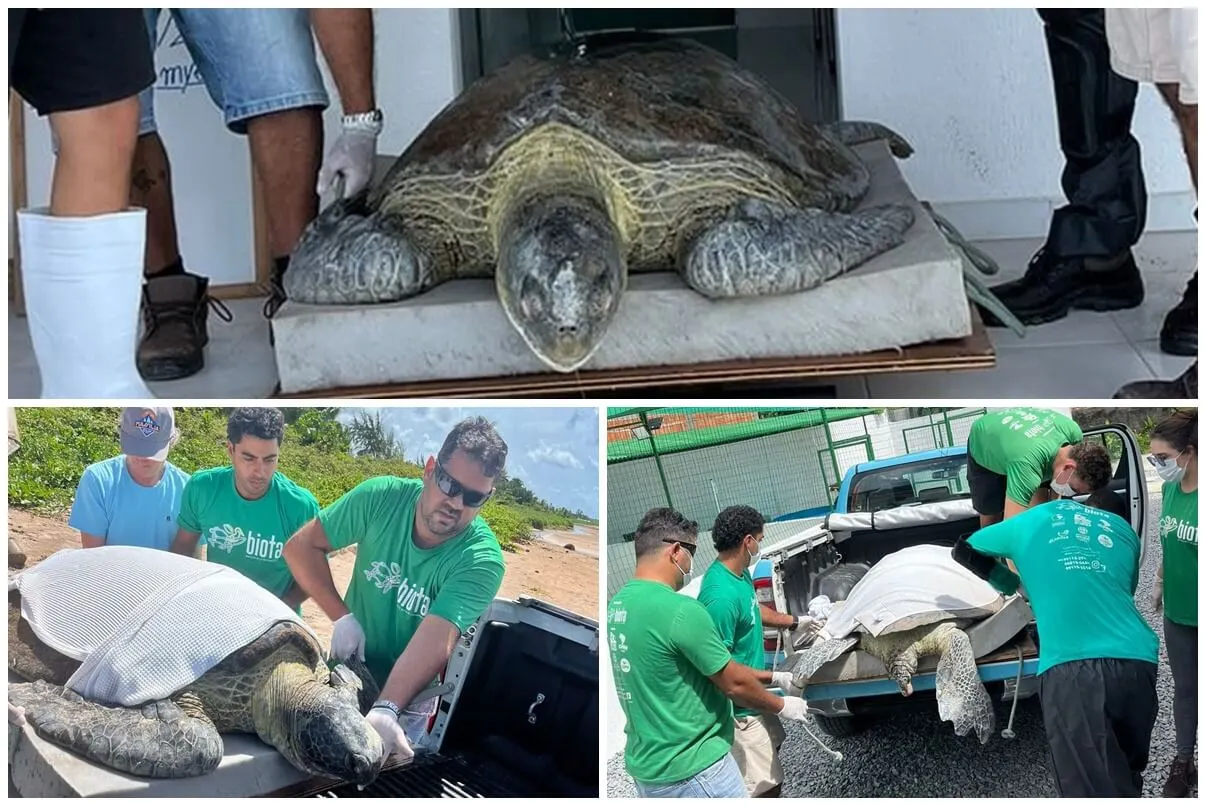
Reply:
x=721 y=780
x=252 y=61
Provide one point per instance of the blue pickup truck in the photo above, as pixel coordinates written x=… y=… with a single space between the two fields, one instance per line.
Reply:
x=884 y=506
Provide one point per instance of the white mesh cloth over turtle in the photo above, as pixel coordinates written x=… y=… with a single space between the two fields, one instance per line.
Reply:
x=907 y=588
x=145 y=623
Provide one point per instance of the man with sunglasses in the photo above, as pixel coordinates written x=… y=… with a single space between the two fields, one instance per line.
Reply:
x=427 y=567
x=676 y=680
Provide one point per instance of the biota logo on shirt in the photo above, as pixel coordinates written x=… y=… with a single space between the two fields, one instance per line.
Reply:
x=387 y=576
x=227 y=538
x=1185 y=532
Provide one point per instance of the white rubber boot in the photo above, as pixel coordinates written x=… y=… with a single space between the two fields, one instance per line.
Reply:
x=83 y=288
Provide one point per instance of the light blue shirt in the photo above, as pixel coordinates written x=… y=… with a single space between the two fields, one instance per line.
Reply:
x=110 y=504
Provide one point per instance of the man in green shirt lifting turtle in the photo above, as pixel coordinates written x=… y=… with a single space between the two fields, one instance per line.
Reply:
x=727 y=593
x=427 y=567
x=675 y=678
x=1014 y=456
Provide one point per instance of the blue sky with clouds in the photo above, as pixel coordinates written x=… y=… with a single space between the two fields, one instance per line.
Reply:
x=554 y=450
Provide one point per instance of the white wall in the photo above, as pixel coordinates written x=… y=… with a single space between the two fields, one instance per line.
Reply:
x=971 y=89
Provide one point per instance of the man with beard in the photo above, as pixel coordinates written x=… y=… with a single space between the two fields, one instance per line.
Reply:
x=427 y=567
x=247 y=510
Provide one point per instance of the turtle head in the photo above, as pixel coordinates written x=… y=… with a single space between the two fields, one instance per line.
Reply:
x=560 y=274
x=326 y=735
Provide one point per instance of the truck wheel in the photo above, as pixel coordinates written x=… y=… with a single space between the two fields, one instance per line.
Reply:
x=839 y=727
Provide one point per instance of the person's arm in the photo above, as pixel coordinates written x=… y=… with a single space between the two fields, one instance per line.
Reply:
x=744 y=686
x=295 y=596
x=306 y=555
x=91 y=541
x=693 y=634
x=424 y=657
x=186 y=542
x=188 y=519
x=345 y=36
x=773 y=618
x=980 y=551
x=88 y=514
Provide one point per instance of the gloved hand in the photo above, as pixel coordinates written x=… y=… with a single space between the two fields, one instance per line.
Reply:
x=352 y=155
x=1158 y=595
x=783 y=680
x=347 y=639
x=794 y=708
x=393 y=738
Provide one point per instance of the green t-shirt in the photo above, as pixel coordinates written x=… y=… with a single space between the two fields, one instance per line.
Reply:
x=248 y=536
x=1179 y=541
x=396 y=583
x=663 y=649
x=730 y=601
x=1080 y=566
x=1020 y=444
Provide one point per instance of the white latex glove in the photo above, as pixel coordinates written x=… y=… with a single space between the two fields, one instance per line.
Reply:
x=393 y=738
x=1157 y=596
x=782 y=680
x=352 y=155
x=347 y=639
x=794 y=708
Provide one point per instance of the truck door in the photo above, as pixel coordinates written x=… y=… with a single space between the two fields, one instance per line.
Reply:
x=1129 y=479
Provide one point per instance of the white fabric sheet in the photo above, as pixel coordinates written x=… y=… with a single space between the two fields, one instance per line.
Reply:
x=144 y=622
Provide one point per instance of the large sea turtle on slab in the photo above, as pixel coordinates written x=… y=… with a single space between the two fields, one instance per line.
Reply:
x=130 y=661
x=914 y=603
x=559 y=175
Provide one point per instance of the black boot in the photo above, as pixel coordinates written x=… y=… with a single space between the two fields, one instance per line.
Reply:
x=1053 y=286
x=175 y=311
x=1184 y=387
x=1179 y=335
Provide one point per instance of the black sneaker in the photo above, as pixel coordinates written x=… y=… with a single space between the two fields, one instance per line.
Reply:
x=1053 y=286
x=1179 y=335
x=1181 y=776
x=1184 y=387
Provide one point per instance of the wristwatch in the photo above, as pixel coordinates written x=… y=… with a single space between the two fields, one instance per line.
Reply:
x=372 y=122
x=391 y=706
x=795 y=623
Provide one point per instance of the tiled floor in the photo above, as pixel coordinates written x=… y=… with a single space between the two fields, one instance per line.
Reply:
x=1087 y=355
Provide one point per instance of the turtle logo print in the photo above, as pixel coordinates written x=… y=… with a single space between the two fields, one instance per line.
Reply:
x=1175 y=527
x=387 y=576
x=225 y=537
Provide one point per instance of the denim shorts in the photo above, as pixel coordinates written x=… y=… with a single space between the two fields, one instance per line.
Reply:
x=721 y=780
x=253 y=61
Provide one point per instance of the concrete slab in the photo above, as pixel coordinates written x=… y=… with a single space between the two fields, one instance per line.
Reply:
x=39 y=769
x=911 y=295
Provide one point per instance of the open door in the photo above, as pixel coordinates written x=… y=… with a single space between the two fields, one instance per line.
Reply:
x=1128 y=479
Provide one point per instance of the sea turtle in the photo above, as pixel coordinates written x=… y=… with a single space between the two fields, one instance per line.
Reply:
x=557 y=175
x=276 y=686
x=912 y=604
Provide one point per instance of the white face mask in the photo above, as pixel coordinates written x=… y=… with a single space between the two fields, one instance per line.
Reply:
x=686 y=574
x=1063 y=488
x=1169 y=470
x=755 y=557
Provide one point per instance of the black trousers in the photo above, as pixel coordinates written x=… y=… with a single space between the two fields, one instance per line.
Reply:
x=62 y=60
x=1099 y=715
x=1103 y=173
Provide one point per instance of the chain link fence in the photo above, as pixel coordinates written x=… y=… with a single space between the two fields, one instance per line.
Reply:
x=786 y=463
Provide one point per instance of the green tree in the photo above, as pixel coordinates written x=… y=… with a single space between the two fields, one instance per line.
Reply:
x=371 y=437
x=317 y=427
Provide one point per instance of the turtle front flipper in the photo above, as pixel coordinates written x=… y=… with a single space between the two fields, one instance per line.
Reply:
x=156 y=740
x=962 y=699
x=351 y=255
x=762 y=248
x=856 y=132
x=804 y=664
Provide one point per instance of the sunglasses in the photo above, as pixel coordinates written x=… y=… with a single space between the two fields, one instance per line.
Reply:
x=452 y=488
x=690 y=547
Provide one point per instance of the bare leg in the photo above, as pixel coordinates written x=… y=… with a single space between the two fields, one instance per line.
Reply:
x=152 y=188
x=1187 y=122
x=96 y=149
x=286 y=149
x=989 y=520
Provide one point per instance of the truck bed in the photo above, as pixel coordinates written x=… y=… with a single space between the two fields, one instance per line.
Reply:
x=858 y=665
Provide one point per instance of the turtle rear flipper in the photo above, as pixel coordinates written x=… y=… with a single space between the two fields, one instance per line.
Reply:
x=803 y=665
x=763 y=248
x=156 y=740
x=962 y=699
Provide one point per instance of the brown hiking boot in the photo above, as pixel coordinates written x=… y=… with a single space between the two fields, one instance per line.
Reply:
x=175 y=309
x=1184 y=386
x=1181 y=776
